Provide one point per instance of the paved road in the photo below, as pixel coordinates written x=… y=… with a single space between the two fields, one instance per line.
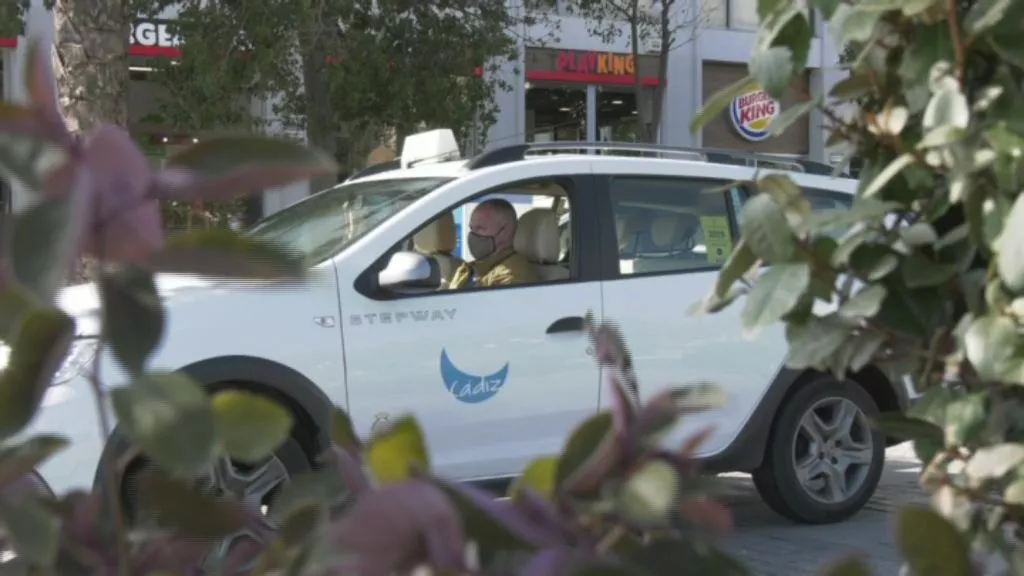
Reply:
x=773 y=546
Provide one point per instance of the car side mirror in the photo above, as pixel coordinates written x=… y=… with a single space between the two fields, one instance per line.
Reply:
x=410 y=272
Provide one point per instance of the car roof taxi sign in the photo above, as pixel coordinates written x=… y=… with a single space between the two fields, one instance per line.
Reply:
x=752 y=112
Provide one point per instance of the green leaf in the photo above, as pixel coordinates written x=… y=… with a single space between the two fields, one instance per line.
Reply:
x=540 y=476
x=233 y=165
x=930 y=544
x=21 y=459
x=185 y=511
x=873 y=262
x=133 y=315
x=993 y=462
x=791 y=115
x=741 y=260
x=848 y=566
x=766 y=229
x=398 y=452
x=948 y=107
x=991 y=344
x=941 y=136
x=582 y=443
x=811 y=344
x=773 y=69
x=34 y=530
x=775 y=293
x=1014 y=494
x=826 y=7
x=719 y=101
x=852 y=25
x=39 y=349
x=223 y=253
x=343 y=433
x=920 y=272
x=16 y=303
x=932 y=44
x=985 y=14
x=852 y=87
x=649 y=495
x=966 y=420
x=43 y=242
x=901 y=427
x=864 y=304
x=250 y=426
x=1010 y=248
x=885 y=176
x=170 y=418
x=324 y=488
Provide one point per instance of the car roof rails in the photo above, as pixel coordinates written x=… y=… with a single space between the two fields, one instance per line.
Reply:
x=388 y=166
x=517 y=152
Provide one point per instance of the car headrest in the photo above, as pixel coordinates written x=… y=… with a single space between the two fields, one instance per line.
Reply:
x=438 y=236
x=537 y=236
x=666 y=231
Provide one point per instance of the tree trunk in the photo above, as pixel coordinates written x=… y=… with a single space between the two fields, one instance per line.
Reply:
x=666 y=36
x=320 y=129
x=643 y=111
x=90 y=60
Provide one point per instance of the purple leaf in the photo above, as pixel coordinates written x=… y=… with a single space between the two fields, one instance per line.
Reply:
x=401 y=526
x=42 y=92
x=550 y=562
x=126 y=224
x=351 y=471
x=542 y=513
x=497 y=523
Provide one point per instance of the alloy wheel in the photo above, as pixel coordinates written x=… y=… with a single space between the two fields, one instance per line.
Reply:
x=833 y=450
x=253 y=486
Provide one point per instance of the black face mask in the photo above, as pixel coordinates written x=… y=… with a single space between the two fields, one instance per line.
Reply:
x=481 y=246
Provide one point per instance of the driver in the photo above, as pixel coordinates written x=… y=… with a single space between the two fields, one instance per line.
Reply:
x=492 y=229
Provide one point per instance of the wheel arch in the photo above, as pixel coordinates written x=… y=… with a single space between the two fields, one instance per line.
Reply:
x=746 y=452
x=309 y=405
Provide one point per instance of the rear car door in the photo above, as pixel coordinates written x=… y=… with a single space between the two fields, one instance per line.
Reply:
x=673 y=231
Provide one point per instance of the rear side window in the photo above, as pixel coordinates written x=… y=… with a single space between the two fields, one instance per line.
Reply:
x=670 y=224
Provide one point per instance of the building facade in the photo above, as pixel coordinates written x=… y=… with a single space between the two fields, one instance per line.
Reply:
x=574 y=88
x=579 y=87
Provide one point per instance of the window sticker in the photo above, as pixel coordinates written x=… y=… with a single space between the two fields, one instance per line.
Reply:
x=717 y=238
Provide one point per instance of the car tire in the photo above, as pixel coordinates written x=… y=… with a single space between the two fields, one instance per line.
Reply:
x=291 y=456
x=814 y=472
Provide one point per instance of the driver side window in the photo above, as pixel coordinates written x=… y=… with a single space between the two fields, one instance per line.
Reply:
x=536 y=248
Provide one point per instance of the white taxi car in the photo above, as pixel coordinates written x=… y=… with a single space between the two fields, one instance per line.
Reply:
x=498 y=376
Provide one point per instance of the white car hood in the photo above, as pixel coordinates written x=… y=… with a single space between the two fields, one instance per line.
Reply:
x=82 y=302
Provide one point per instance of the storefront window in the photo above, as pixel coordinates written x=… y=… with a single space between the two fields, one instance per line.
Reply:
x=556 y=113
x=617 y=114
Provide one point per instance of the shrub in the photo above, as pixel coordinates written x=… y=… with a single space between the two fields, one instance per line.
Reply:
x=613 y=501
x=924 y=276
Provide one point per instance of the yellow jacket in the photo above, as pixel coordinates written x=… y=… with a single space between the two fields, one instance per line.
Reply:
x=502 y=268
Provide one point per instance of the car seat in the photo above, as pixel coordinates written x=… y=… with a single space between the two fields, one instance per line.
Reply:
x=438 y=241
x=537 y=239
x=668 y=234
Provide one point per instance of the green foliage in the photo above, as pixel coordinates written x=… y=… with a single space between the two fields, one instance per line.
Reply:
x=348 y=72
x=927 y=276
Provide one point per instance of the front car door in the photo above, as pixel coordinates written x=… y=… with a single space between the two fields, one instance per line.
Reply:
x=479 y=368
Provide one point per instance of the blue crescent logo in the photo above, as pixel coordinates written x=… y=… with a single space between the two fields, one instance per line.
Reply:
x=470 y=388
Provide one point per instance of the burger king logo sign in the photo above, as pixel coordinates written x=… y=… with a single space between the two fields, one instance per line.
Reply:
x=752 y=112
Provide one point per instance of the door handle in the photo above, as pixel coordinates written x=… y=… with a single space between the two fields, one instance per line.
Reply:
x=567 y=324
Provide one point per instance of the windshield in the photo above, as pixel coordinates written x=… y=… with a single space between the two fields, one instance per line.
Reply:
x=327 y=222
